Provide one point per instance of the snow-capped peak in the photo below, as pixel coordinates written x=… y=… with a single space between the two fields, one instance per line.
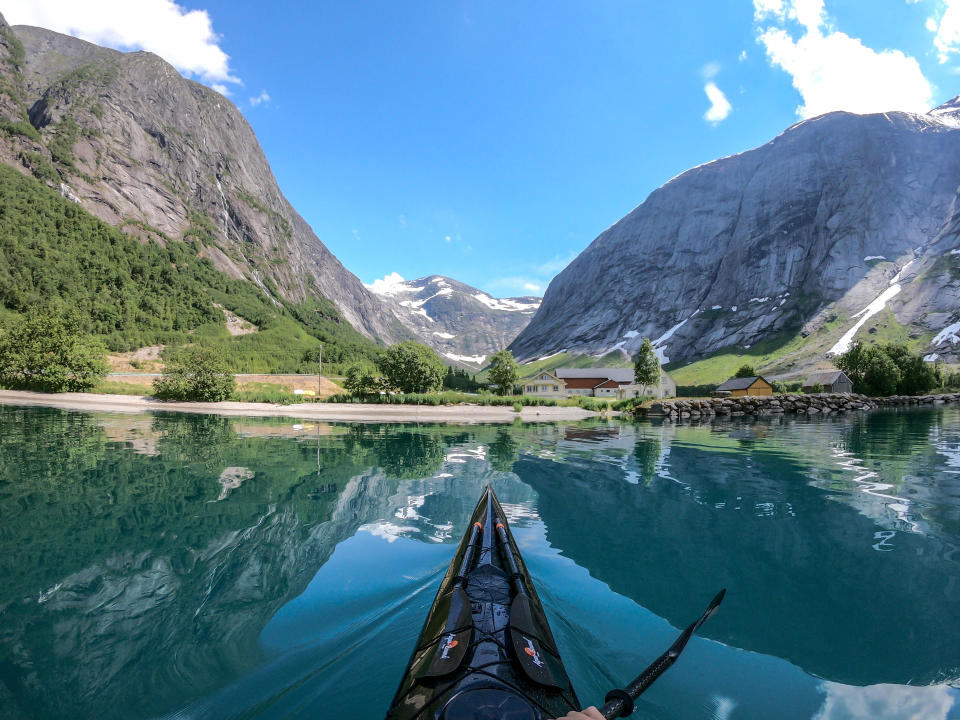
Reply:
x=948 y=113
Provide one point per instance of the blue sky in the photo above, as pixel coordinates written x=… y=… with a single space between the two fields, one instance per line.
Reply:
x=493 y=141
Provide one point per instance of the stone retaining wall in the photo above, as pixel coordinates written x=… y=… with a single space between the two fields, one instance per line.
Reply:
x=822 y=403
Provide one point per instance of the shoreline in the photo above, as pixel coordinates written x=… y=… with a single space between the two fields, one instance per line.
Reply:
x=332 y=412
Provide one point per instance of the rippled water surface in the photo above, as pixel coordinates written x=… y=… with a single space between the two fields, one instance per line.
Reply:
x=207 y=567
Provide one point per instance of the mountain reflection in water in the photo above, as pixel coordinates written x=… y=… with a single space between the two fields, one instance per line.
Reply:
x=212 y=567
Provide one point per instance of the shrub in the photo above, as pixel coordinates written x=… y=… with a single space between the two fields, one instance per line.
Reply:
x=628 y=404
x=44 y=350
x=197 y=374
x=746 y=371
x=517 y=407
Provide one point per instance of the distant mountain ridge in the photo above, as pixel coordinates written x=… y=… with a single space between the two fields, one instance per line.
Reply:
x=844 y=226
x=464 y=324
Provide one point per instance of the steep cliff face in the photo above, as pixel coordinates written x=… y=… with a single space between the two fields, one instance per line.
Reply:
x=138 y=145
x=464 y=324
x=839 y=219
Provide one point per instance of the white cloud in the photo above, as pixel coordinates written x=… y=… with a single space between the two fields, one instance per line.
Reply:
x=710 y=70
x=391 y=284
x=556 y=264
x=742 y=56
x=262 y=99
x=762 y=8
x=833 y=71
x=516 y=284
x=947 y=29
x=885 y=702
x=447 y=238
x=184 y=38
x=720 y=107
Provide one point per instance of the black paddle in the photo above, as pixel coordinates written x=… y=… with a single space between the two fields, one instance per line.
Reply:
x=523 y=634
x=458 y=627
x=619 y=703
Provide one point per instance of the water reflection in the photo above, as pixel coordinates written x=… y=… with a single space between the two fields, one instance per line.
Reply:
x=806 y=581
x=160 y=565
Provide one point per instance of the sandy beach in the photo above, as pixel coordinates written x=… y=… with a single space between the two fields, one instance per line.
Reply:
x=459 y=414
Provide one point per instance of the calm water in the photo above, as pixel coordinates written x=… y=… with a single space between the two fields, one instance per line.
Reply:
x=205 y=567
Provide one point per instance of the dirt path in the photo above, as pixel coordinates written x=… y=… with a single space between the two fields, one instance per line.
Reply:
x=458 y=414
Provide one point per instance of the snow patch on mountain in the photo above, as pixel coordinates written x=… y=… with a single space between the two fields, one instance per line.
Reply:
x=473 y=359
x=508 y=304
x=951 y=334
x=843 y=344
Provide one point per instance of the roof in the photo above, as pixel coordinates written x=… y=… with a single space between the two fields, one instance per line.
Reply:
x=609 y=384
x=621 y=375
x=585 y=383
x=740 y=383
x=827 y=377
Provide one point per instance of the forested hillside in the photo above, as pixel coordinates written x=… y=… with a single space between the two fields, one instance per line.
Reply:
x=133 y=293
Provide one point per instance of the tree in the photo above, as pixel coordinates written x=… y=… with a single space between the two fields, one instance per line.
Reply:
x=197 y=374
x=359 y=380
x=746 y=371
x=916 y=375
x=44 y=350
x=412 y=367
x=880 y=374
x=504 y=372
x=887 y=370
x=646 y=366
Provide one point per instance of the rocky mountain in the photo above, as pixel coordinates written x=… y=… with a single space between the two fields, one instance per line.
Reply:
x=464 y=324
x=844 y=226
x=139 y=146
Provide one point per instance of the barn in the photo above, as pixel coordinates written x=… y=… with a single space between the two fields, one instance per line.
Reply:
x=834 y=381
x=738 y=387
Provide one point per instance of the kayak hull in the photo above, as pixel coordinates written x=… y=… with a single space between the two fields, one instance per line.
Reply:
x=486 y=650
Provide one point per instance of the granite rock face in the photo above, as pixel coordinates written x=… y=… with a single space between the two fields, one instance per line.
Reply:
x=465 y=325
x=794 y=238
x=139 y=146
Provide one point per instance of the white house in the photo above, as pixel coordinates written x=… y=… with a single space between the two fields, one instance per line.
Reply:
x=667 y=388
x=611 y=383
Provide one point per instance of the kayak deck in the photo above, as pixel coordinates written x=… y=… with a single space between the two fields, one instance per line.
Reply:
x=486 y=650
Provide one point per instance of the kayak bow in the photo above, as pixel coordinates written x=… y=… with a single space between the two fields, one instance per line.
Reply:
x=486 y=650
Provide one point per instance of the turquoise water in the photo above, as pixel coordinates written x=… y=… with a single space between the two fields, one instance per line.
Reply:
x=206 y=567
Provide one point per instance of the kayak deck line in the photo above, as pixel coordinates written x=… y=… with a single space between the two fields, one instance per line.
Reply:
x=486 y=649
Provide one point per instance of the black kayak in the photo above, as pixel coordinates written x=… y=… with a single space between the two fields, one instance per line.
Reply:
x=486 y=651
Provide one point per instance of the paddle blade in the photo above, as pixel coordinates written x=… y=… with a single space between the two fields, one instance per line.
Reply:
x=457 y=633
x=526 y=645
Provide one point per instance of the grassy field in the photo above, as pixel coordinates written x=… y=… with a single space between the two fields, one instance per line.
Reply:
x=250 y=388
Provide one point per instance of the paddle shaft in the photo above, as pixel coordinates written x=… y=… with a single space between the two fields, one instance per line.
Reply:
x=511 y=561
x=620 y=702
x=468 y=555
